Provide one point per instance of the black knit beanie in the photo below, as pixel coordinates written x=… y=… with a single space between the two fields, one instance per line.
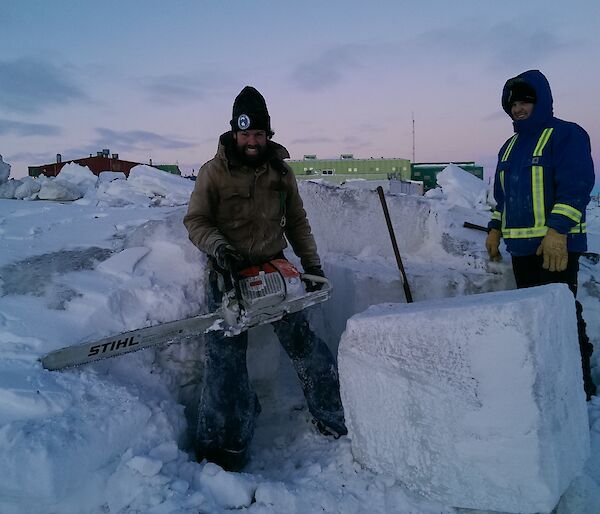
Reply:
x=250 y=112
x=521 y=91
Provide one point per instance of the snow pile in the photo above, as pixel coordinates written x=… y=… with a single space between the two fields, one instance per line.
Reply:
x=73 y=174
x=459 y=187
x=4 y=171
x=146 y=186
x=165 y=189
x=494 y=378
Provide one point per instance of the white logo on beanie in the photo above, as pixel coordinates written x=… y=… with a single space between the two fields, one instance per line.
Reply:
x=243 y=121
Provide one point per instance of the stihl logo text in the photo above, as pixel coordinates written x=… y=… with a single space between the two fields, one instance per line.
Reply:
x=111 y=346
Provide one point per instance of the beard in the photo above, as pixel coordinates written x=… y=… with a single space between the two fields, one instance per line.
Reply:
x=251 y=159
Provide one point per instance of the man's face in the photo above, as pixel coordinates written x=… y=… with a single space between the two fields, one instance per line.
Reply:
x=521 y=110
x=251 y=144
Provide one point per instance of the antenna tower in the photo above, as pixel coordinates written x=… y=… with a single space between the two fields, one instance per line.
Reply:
x=413 y=137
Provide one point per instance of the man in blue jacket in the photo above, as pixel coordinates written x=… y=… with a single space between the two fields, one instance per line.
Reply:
x=542 y=186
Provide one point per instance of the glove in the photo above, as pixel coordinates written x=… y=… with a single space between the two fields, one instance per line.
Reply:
x=492 y=244
x=228 y=258
x=554 y=250
x=310 y=285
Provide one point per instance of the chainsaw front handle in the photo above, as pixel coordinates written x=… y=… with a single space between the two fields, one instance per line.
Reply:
x=314 y=278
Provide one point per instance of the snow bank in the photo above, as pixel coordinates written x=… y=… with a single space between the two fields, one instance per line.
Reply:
x=351 y=221
x=166 y=188
x=4 y=171
x=441 y=257
x=49 y=465
x=77 y=175
x=461 y=188
x=146 y=186
x=480 y=406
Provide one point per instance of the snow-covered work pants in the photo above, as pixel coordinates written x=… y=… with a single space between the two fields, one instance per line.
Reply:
x=228 y=406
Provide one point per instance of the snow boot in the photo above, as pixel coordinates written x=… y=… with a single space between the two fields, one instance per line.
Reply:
x=335 y=430
x=229 y=460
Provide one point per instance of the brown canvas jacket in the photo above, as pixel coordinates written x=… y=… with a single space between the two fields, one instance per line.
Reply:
x=236 y=204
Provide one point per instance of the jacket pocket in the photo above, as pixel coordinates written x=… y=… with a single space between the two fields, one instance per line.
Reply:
x=234 y=203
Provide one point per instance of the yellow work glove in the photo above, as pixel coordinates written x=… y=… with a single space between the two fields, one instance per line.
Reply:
x=554 y=250
x=492 y=244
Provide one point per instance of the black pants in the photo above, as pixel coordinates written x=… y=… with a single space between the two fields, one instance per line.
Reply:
x=529 y=272
x=228 y=406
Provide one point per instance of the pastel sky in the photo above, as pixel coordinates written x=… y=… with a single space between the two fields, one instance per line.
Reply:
x=156 y=79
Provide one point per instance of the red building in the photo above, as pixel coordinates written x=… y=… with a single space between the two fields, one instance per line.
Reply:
x=102 y=161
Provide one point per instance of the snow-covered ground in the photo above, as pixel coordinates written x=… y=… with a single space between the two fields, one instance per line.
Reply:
x=94 y=257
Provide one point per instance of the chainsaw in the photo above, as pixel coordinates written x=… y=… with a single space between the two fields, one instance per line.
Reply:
x=255 y=296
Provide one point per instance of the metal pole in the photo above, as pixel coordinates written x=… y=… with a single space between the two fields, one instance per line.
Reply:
x=467 y=224
x=413 y=137
x=395 y=245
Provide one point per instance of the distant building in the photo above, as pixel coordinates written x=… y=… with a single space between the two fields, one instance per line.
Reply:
x=169 y=168
x=397 y=169
x=348 y=167
x=102 y=161
x=427 y=172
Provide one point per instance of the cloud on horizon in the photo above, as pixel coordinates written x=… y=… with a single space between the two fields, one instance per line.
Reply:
x=508 y=45
x=179 y=88
x=518 y=47
x=30 y=85
x=21 y=128
x=138 y=140
x=29 y=158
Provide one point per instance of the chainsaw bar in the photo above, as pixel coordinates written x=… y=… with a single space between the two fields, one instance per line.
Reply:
x=177 y=331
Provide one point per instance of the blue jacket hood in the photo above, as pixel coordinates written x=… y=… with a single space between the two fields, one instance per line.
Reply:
x=543 y=110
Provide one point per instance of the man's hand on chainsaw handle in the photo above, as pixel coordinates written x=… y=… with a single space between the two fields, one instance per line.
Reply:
x=310 y=285
x=228 y=258
x=554 y=250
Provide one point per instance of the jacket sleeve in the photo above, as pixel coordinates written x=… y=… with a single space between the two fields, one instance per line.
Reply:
x=297 y=228
x=573 y=178
x=496 y=219
x=200 y=217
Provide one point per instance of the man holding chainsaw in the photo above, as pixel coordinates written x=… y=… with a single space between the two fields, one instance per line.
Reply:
x=543 y=182
x=244 y=206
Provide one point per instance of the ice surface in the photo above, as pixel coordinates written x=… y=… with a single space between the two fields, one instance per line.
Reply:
x=474 y=401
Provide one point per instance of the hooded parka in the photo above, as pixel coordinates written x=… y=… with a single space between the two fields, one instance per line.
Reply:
x=544 y=175
x=254 y=210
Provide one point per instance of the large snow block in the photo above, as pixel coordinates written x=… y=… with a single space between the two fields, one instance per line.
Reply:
x=474 y=401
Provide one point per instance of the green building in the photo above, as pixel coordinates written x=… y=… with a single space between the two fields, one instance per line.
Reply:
x=347 y=167
x=426 y=172
x=169 y=168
